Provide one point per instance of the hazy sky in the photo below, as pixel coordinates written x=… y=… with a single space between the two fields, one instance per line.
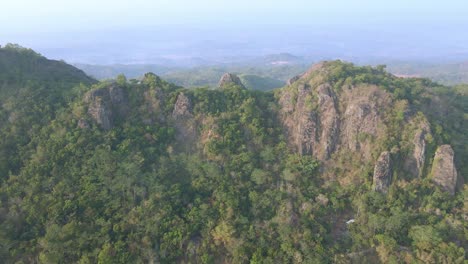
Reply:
x=108 y=31
x=58 y=15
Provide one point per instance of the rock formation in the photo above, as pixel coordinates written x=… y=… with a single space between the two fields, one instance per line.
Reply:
x=293 y=79
x=329 y=120
x=182 y=107
x=320 y=121
x=383 y=172
x=184 y=121
x=444 y=173
x=415 y=163
x=363 y=118
x=105 y=104
x=299 y=120
x=230 y=79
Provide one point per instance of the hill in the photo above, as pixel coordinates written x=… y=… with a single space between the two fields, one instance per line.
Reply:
x=32 y=90
x=344 y=164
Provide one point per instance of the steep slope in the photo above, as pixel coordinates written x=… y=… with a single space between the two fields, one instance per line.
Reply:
x=339 y=166
x=32 y=89
x=346 y=116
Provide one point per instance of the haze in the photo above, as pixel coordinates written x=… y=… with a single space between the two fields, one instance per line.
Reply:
x=222 y=31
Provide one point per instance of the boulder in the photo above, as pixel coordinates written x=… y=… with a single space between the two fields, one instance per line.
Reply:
x=444 y=173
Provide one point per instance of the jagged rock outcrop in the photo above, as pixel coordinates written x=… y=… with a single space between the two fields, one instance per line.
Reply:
x=99 y=108
x=151 y=108
x=383 y=172
x=300 y=122
x=182 y=107
x=363 y=118
x=320 y=122
x=292 y=80
x=230 y=79
x=184 y=121
x=415 y=163
x=444 y=173
x=329 y=121
x=105 y=104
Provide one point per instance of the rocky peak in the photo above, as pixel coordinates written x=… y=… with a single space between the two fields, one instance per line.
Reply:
x=383 y=172
x=182 y=107
x=184 y=122
x=444 y=173
x=104 y=104
x=305 y=75
x=230 y=79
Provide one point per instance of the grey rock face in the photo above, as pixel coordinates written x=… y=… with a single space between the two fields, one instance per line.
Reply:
x=184 y=122
x=99 y=107
x=293 y=79
x=301 y=123
x=444 y=173
x=363 y=118
x=228 y=79
x=105 y=103
x=383 y=172
x=415 y=163
x=182 y=107
x=314 y=124
x=329 y=120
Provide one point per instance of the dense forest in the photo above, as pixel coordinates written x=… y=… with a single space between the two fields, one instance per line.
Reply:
x=344 y=164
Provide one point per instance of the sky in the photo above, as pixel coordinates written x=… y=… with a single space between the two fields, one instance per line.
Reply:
x=64 y=28
x=58 y=15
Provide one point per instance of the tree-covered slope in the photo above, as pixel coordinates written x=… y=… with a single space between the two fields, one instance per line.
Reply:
x=343 y=165
x=32 y=89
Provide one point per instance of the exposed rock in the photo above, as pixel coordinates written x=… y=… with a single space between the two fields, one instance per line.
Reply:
x=230 y=79
x=99 y=107
x=182 y=107
x=383 y=172
x=415 y=163
x=299 y=121
x=151 y=109
x=444 y=173
x=315 y=126
x=363 y=118
x=104 y=104
x=329 y=120
x=293 y=79
x=184 y=121
x=83 y=124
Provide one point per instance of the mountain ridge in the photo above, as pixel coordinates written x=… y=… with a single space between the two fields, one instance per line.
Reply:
x=343 y=160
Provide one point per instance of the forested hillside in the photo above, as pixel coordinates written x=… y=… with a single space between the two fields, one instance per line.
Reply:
x=345 y=164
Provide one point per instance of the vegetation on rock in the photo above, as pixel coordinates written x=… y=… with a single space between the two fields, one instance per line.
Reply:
x=227 y=175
